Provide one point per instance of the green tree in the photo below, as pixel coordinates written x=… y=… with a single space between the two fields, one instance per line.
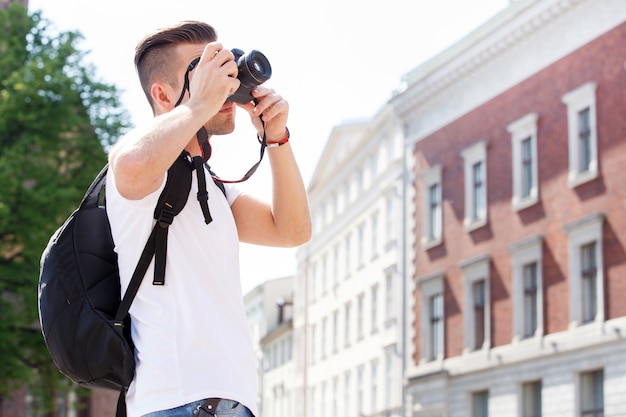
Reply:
x=56 y=121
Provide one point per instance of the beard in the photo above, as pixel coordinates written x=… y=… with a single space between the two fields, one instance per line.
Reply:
x=221 y=123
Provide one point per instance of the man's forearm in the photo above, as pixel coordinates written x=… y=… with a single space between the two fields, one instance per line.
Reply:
x=290 y=207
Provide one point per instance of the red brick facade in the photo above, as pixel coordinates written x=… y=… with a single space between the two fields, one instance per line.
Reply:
x=601 y=61
x=4 y=4
x=102 y=403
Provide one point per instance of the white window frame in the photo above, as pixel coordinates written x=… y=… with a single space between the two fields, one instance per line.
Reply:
x=527 y=390
x=361 y=239
x=577 y=100
x=347 y=324
x=323 y=341
x=471 y=156
x=375 y=234
x=391 y=296
x=476 y=396
x=360 y=317
x=580 y=233
x=374 y=383
x=429 y=287
x=585 y=393
x=432 y=234
x=520 y=130
x=476 y=270
x=374 y=308
x=522 y=254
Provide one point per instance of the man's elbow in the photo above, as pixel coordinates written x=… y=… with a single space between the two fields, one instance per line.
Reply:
x=299 y=236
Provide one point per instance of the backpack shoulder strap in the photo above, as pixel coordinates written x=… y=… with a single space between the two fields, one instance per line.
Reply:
x=94 y=193
x=171 y=201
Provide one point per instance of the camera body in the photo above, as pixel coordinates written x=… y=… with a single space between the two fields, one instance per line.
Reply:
x=253 y=70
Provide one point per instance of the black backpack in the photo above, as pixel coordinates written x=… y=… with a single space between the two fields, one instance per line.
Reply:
x=85 y=325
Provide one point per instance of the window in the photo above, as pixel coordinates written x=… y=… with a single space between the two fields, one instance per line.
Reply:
x=360 y=313
x=374 y=235
x=313 y=356
x=347 y=324
x=527 y=288
x=475 y=162
x=323 y=338
x=374 y=386
x=334 y=394
x=346 y=394
x=335 y=331
x=478 y=300
x=390 y=296
x=480 y=404
x=360 y=395
x=432 y=317
x=582 y=134
x=436 y=325
x=390 y=378
x=586 y=270
x=390 y=216
x=529 y=274
x=336 y=264
x=592 y=394
x=313 y=405
x=589 y=276
x=312 y=282
x=524 y=160
x=478 y=190
x=531 y=399
x=324 y=277
x=361 y=245
x=348 y=254
x=477 y=315
x=432 y=223
x=374 y=308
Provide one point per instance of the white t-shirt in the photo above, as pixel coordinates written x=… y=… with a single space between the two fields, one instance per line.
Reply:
x=191 y=336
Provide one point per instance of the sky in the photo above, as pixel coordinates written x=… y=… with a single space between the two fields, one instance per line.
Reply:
x=333 y=60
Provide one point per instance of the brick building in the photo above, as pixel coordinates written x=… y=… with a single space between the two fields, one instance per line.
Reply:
x=518 y=137
x=4 y=4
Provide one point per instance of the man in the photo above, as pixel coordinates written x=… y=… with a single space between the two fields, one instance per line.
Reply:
x=191 y=334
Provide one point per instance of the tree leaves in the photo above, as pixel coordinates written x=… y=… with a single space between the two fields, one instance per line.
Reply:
x=56 y=120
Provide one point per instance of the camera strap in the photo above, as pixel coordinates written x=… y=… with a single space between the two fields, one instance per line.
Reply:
x=203 y=141
x=203 y=137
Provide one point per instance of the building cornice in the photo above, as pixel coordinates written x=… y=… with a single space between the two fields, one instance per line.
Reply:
x=508 y=28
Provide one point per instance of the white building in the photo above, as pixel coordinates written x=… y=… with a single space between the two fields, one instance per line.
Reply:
x=348 y=303
x=268 y=308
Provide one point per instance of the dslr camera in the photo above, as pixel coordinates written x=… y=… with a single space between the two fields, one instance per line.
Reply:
x=254 y=69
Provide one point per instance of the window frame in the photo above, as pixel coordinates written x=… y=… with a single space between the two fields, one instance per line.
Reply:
x=578 y=100
x=521 y=130
x=475 y=217
x=535 y=388
x=580 y=233
x=474 y=271
x=429 y=287
x=476 y=396
x=595 y=412
x=432 y=222
x=524 y=253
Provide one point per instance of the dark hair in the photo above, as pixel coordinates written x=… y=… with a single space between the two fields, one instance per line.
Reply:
x=154 y=59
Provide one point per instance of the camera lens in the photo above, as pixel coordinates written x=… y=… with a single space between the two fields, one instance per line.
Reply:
x=254 y=68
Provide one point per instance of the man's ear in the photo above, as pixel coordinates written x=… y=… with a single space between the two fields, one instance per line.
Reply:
x=161 y=97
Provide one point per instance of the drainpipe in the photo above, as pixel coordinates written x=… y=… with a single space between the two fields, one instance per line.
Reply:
x=404 y=242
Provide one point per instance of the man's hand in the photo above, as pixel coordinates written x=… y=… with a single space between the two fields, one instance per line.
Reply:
x=272 y=109
x=213 y=79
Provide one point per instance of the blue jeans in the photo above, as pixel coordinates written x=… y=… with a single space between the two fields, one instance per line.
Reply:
x=226 y=408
